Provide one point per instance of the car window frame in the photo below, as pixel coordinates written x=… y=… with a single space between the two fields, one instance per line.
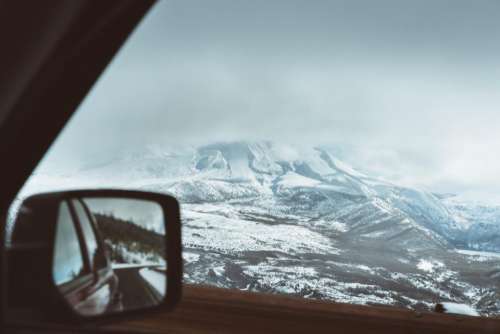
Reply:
x=87 y=36
x=100 y=240
x=99 y=251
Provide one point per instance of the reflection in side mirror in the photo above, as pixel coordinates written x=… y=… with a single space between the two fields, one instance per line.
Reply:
x=105 y=252
x=110 y=254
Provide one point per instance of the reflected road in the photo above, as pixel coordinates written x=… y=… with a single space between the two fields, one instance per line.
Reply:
x=136 y=290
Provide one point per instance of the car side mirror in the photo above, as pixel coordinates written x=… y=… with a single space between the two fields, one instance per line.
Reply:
x=92 y=254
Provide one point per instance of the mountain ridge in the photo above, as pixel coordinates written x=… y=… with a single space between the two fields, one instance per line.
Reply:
x=311 y=178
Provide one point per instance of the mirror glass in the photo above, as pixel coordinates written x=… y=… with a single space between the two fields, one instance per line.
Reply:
x=110 y=254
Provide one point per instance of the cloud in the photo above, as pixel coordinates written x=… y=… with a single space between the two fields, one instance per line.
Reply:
x=410 y=87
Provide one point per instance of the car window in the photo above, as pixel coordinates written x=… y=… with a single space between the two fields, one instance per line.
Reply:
x=68 y=259
x=334 y=150
x=88 y=233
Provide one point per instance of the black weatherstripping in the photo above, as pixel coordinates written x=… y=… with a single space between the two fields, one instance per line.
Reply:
x=82 y=37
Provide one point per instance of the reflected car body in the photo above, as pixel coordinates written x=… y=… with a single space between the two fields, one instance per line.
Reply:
x=95 y=289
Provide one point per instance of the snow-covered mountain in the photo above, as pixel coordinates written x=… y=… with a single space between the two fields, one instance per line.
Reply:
x=309 y=182
x=270 y=217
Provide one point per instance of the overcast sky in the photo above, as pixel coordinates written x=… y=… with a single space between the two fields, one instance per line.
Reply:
x=409 y=89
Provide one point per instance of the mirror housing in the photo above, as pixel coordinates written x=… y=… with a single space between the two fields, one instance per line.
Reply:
x=32 y=267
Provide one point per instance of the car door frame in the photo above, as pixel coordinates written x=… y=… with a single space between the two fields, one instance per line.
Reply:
x=81 y=38
x=100 y=276
x=106 y=274
x=74 y=288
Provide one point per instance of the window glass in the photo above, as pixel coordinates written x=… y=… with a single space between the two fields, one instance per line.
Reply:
x=88 y=232
x=336 y=150
x=68 y=260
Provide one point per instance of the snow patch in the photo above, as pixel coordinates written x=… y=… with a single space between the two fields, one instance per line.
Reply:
x=429 y=266
x=294 y=180
x=457 y=308
x=211 y=231
x=190 y=257
x=479 y=255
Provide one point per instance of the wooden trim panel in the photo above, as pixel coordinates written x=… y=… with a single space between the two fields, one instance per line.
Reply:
x=213 y=310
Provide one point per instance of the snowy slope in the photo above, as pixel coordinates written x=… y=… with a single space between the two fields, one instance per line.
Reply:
x=269 y=217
